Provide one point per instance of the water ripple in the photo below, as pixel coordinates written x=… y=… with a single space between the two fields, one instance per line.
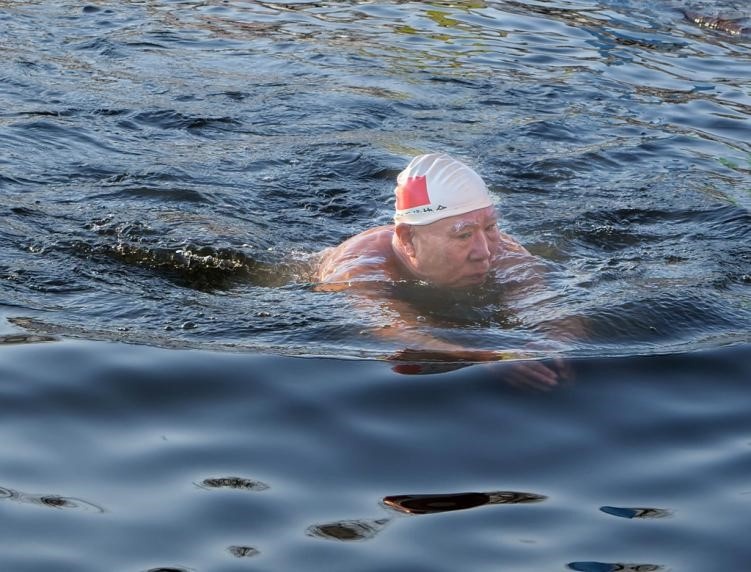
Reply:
x=168 y=172
x=49 y=500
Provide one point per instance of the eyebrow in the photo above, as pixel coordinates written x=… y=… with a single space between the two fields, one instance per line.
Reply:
x=463 y=225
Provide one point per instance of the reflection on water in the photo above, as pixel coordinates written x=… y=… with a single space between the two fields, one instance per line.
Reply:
x=348 y=530
x=625 y=512
x=48 y=500
x=168 y=172
x=428 y=504
x=233 y=483
x=613 y=567
x=366 y=529
x=736 y=26
x=170 y=442
x=24 y=339
x=243 y=551
x=613 y=136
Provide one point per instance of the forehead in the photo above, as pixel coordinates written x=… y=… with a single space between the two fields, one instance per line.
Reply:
x=480 y=217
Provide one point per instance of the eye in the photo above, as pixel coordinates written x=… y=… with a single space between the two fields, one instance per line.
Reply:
x=491 y=228
x=464 y=235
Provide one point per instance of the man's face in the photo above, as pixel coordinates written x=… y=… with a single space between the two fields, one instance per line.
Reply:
x=457 y=251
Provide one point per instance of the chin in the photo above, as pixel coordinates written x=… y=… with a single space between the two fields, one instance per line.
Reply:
x=472 y=280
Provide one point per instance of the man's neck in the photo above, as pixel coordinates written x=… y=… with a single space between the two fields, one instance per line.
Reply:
x=406 y=267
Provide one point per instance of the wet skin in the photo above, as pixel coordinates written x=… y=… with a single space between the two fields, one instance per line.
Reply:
x=453 y=252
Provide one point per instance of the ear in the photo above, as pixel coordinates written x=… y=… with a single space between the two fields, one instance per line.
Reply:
x=405 y=236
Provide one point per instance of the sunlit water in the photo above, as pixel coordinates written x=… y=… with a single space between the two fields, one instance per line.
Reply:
x=168 y=172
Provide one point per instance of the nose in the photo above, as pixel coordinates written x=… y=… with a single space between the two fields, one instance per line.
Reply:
x=480 y=247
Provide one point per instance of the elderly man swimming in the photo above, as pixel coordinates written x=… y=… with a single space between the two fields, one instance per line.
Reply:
x=445 y=233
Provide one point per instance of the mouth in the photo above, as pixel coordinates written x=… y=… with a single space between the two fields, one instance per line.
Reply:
x=476 y=278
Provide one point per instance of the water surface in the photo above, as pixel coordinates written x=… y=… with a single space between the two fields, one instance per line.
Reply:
x=168 y=172
x=140 y=458
x=168 y=169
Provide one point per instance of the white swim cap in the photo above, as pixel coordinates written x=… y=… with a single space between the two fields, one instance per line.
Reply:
x=436 y=186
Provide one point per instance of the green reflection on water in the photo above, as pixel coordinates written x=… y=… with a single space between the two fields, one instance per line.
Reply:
x=442 y=18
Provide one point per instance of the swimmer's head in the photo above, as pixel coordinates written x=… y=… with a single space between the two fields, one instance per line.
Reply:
x=436 y=186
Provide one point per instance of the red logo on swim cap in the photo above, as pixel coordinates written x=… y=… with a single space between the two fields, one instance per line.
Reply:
x=413 y=193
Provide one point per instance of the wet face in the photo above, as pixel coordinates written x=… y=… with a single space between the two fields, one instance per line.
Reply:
x=456 y=251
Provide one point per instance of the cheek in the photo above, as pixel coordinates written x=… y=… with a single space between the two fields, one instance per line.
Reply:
x=436 y=255
x=434 y=259
x=448 y=257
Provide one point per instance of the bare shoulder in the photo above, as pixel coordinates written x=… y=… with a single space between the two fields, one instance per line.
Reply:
x=512 y=258
x=515 y=265
x=509 y=245
x=365 y=256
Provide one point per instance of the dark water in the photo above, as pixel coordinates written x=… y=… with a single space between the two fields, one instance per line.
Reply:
x=138 y=458
x=168 y=172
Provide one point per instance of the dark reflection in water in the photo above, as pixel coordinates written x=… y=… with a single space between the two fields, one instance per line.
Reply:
x=233 y=483
x=613 y=567
x=348 y=530
x=135 y=425
x=24 y=339
x=365 y=529
x=243 y=551
x=428 y=504
x=419 y=365
x=49 y=500
x=625 y=512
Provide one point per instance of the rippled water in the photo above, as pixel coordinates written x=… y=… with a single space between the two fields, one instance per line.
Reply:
x=142 y=459
x=168 y=168
x=168 y=171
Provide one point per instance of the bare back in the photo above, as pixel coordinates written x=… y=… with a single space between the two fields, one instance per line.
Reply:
x=365 y=257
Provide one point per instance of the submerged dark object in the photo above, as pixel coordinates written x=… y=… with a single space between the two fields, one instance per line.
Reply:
x=427 y=503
